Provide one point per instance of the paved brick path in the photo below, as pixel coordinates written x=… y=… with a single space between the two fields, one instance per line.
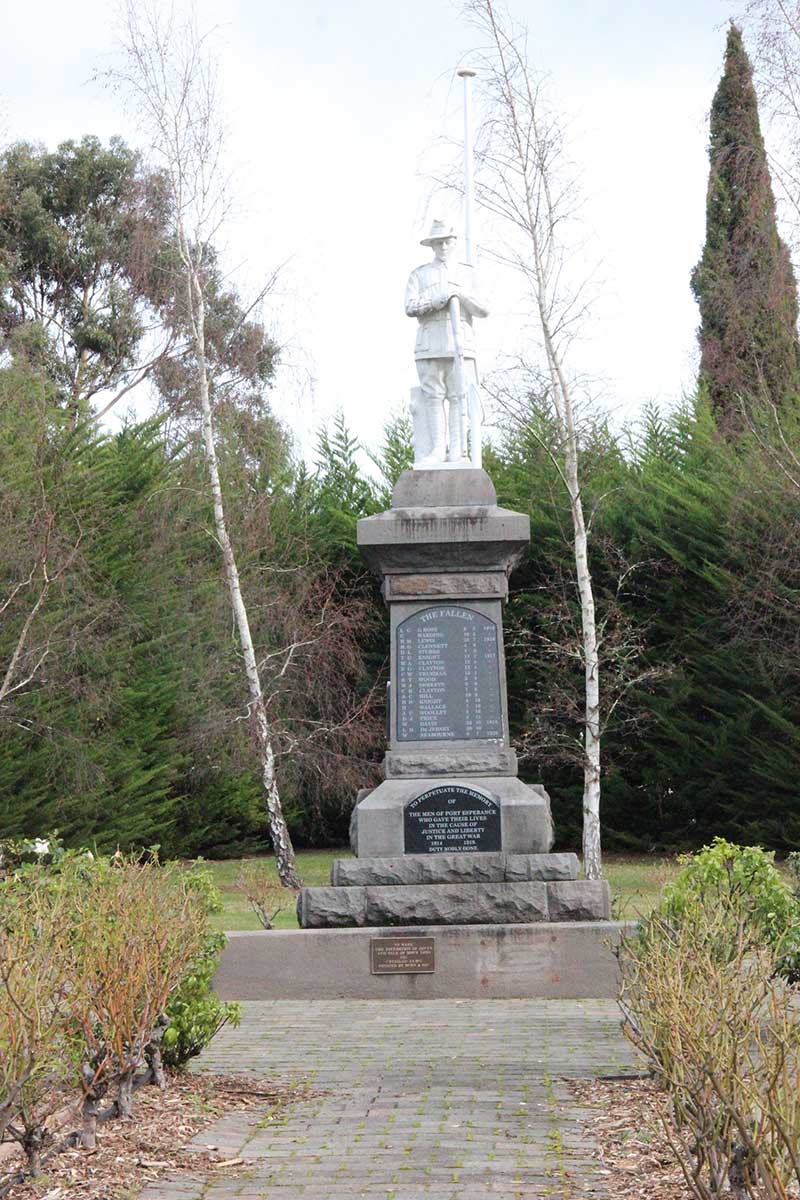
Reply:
x=435 y=1099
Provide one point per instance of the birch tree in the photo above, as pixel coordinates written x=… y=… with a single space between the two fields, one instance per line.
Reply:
x=169 y=76
x=521 y=181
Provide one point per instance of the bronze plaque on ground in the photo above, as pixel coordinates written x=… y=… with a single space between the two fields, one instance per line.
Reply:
x=401 y=956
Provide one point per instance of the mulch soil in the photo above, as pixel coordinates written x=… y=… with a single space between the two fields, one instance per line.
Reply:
x=633 y=1153
x=632 y=1148
x=132 y=1154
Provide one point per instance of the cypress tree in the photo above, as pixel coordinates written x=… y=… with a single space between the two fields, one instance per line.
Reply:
x=744 y=283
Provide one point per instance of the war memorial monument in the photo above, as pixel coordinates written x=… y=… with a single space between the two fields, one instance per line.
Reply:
x=454 y=889
x=452 y=836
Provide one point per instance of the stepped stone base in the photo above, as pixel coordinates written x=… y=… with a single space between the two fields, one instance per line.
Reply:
x=452 y=868
x=498 y=903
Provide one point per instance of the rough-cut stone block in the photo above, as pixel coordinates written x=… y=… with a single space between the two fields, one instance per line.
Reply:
x=541 y=866
x=419 y=868
x=467 y=760
x=579 y=900
x=331 y=907
x=457 y=904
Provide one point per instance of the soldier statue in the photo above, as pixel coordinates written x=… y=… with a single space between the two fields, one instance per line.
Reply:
x=440 y=296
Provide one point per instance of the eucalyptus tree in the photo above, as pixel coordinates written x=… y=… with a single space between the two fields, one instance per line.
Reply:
x=84 y=268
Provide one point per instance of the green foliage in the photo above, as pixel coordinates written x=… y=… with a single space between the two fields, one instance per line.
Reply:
x=92 y=949
x=705 y=1006
x=101 y=722
x=128 y=729
x=694 y=557
x=395 y=456
x=744 y=881
x=15 y=852
x=82 y=258
x=793 y=867
x=744 y=282
x=194 y=1012
x=342 y=492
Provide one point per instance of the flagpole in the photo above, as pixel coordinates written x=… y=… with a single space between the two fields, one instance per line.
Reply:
x=467 y=74
x=471 y=398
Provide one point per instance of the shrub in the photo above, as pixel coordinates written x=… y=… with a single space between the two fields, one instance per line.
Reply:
x=264 y=894
x=721 y=1034
x=194 y=1013
x=744 y=883
x=97 y=955
x=138 y=926
x=16 y=852
x=706 y=999
x=38 y=1049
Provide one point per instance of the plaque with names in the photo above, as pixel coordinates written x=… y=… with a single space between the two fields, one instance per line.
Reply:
x=448 y=676
x=451 y=818
x=401 y=956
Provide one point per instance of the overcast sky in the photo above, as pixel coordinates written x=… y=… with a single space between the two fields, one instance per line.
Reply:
x=332 y=106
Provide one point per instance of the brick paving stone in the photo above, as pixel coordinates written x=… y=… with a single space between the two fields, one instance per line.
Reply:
x=416 y=1100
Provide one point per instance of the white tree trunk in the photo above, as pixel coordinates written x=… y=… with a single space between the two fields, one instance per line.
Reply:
x=279 y=833
x=525 y=159
x=592 y=863
x=592 y=859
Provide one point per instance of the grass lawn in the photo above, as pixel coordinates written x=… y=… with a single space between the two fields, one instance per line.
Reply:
x=636 y=881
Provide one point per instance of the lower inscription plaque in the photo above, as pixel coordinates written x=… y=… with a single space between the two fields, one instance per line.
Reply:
x=451 y=818
x=401 y=956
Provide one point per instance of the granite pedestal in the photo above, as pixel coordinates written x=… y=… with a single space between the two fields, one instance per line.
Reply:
x=452 y=836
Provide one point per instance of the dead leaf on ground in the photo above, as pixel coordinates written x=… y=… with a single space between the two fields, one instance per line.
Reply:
x=131 y=1154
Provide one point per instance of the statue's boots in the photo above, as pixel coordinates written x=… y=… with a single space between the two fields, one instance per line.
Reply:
x=455 y=448
x=437 y=431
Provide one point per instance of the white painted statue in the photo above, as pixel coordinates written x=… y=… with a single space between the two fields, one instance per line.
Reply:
x=440 y=295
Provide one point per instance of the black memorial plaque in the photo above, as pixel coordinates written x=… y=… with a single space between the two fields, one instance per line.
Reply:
x=448 y=676
x=401 y=956
x=451 y=818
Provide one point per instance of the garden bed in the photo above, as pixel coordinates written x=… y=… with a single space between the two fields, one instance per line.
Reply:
x=130 y=1155
x=632 y=1144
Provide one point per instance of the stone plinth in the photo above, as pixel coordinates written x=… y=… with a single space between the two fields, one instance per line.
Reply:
x=487 y=903
x=538 y=959
x=451 y=836
x=453 y=868
x=444 y=551
x=442 y=522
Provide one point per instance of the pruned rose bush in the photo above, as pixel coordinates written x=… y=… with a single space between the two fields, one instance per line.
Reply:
x=707 y=999
x=105 y=963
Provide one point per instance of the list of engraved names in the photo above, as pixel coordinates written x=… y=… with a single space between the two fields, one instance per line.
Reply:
x=448 y=676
